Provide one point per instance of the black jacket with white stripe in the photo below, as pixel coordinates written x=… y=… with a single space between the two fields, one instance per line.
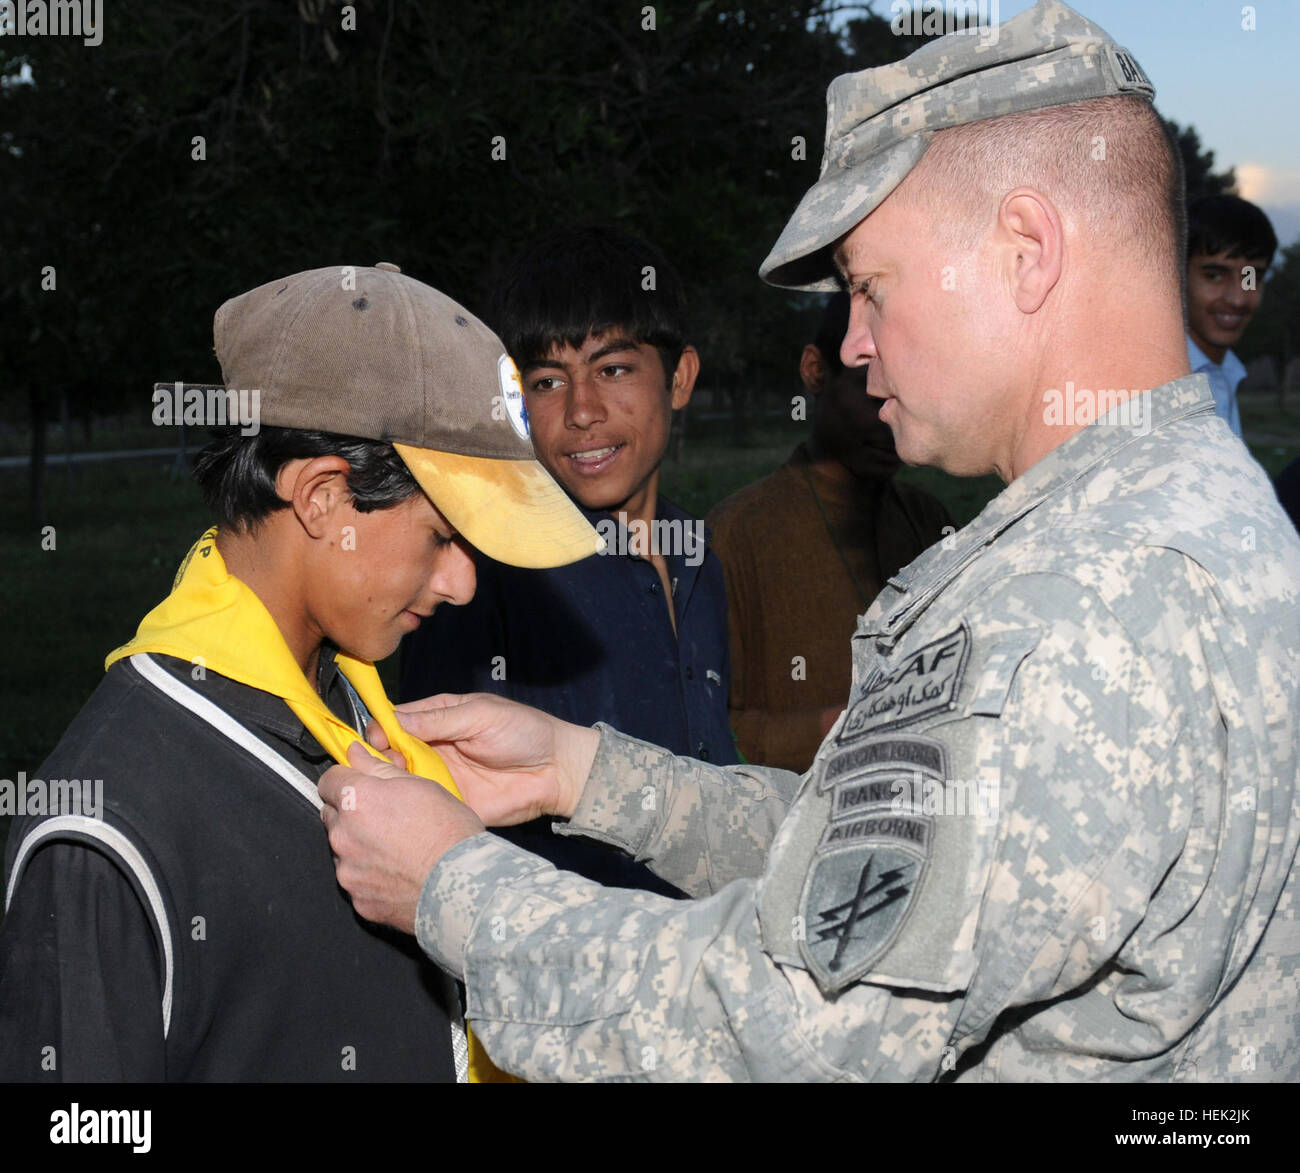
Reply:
x=192 y=929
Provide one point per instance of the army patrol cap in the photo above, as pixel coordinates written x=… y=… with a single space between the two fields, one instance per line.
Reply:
x=372 y=353
x=880 y=121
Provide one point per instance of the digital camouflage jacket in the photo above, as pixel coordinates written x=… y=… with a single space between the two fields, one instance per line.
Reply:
x=1051 y=838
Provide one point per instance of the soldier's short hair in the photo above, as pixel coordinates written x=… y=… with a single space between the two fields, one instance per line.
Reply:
x=1109 y=161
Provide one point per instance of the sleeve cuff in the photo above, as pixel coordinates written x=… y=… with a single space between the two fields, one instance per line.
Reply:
x=458 y=889
x=622 y=802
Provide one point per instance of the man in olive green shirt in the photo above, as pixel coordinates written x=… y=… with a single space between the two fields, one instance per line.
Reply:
x=846 y=527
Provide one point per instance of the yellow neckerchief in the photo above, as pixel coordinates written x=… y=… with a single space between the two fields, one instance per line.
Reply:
x=213 y=619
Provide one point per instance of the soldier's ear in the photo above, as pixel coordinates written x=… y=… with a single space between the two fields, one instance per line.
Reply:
x=1031 y=237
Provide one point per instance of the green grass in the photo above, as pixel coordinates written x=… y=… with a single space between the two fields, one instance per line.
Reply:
x=120 y=531
x=1272 y=432
x=105 y=437
x=714 y=467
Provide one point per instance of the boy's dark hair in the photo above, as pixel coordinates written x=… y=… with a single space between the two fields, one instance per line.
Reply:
x=586 y=279
x=830 y=333
x=1229 y=224
x=237 y=473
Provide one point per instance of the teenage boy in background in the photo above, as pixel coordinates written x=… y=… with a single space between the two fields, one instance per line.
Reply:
x=636 y=637
x=1230 y=245
x=847 y=525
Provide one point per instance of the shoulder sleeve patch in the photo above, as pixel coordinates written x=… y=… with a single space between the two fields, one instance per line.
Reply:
x=923 y=683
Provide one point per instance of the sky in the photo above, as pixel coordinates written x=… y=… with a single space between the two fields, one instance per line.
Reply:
x=1239 y=88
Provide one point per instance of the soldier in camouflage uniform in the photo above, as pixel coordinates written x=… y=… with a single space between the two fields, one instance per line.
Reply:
x=1053 y=835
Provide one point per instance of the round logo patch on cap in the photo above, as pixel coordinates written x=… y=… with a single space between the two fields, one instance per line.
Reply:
x=512 y=395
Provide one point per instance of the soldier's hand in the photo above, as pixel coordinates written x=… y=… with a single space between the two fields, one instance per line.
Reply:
x=511 y=763
x=387 y=829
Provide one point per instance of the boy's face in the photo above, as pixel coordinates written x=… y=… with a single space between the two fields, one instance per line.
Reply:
x=376 y=582
x=600 y=416
x=1218 y=308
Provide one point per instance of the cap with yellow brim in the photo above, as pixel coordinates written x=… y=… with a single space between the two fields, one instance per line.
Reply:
x=512 y=510
x=372 y=353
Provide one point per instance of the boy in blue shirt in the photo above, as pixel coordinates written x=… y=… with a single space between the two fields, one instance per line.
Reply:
x=1230 y=245
x=637 y=636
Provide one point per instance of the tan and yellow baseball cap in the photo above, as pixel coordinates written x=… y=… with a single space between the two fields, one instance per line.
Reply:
x=373 y=353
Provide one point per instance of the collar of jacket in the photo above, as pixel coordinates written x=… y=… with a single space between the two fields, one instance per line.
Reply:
x=919 y=582
x=214 y=619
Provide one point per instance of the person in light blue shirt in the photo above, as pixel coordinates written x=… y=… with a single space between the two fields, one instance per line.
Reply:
x=1230 y=245
x=1224 y=377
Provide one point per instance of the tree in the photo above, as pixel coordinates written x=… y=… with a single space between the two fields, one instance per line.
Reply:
x=1275 y=329
x=204 y=148
x=1199 y=176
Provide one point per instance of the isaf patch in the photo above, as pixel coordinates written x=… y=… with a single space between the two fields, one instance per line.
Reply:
x=924 y=683
x=870 y=862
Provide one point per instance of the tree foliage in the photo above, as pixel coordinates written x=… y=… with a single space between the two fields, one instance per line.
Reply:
x=1275 y=329
x=202 y=149
x=1199 y=176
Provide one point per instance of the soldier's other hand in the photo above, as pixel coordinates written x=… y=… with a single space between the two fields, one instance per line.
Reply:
x=512 y=763
x=387 y=829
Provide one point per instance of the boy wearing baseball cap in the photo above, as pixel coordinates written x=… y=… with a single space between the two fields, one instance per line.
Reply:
x=188 y=926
